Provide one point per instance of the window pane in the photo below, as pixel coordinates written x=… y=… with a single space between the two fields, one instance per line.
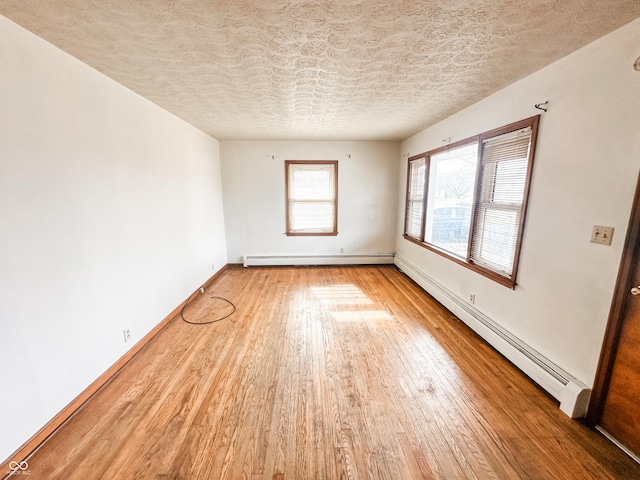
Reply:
x=312 y=184
x=416 y=179
x=510 y=177
x=450 y=198
x=414 y=218
x=496 y=238
x=316 y=216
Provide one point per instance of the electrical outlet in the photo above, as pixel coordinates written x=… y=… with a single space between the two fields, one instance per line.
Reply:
x=213 y=266
x=472 y=298
x=601 y=235
x=127 y=334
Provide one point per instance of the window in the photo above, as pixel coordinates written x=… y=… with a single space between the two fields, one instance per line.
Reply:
x=415 y=197
x=312 y=197
x=475 y=201
x=452 y=175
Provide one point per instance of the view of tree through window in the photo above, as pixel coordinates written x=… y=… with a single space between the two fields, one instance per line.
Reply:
x=473 y=206
x=452 y=176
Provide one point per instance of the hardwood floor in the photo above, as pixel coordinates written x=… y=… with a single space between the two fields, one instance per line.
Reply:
x=323 y=372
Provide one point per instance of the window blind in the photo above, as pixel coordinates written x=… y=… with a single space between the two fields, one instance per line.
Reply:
x=504 y=167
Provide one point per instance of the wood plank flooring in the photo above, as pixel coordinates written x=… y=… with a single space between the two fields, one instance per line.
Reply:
x=323 y=373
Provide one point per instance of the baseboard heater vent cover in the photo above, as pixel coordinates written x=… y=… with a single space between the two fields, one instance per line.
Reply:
x=572 y=394
x=300 y=260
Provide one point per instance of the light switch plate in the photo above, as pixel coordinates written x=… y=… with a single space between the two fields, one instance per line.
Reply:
x=602 y=235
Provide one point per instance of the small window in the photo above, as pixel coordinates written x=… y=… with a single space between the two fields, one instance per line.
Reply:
x=472 y=209
x=312 y=197
x=415 y=198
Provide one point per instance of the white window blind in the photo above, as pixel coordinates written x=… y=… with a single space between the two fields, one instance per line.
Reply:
x=415 y=198
x=311 y=197
x=503 y=179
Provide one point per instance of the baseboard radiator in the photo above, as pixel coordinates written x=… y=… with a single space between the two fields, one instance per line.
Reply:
x=300 y=260
x=570 y=392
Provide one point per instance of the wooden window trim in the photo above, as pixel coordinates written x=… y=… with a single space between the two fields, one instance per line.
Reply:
x=509 y=282
x=334 y=231
x=424 y=196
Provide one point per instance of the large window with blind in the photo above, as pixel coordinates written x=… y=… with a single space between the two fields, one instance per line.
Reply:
x=312 y=197
x=467 y=200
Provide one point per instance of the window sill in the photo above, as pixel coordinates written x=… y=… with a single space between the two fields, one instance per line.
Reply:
x=311 y=234
x=491 y=275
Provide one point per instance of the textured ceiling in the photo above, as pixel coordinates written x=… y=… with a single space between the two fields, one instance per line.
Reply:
x=318 y=69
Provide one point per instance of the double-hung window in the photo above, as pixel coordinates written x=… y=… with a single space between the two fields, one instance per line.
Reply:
x=312 y=197
x=415 y=197
x=467 y=200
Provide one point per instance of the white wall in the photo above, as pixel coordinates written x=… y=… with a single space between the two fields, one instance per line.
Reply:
x=254 y=197
x=110 y=216
x=585 y=173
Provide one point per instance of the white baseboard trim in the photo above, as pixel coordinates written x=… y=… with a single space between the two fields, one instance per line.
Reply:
x=300 y=260
x=572 y=394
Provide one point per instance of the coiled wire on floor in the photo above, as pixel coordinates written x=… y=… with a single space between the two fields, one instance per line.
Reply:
x=193 y=296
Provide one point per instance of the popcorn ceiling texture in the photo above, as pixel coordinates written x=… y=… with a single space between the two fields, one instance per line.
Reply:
x=318 y=69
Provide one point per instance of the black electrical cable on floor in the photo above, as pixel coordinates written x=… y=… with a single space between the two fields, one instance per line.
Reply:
x=210 y=321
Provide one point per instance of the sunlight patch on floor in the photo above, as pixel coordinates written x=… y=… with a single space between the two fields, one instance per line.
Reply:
x=361 y=315
x=344 y=299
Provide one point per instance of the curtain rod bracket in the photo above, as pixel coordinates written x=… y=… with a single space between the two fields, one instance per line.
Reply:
x=540 y=107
